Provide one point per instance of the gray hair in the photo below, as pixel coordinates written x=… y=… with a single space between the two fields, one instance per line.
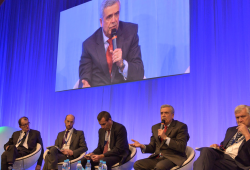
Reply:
x=107 y=3
x=167 y=105
x=241 y=107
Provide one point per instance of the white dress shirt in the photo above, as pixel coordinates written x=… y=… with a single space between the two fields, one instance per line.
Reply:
x=125 y=70
x=68 y=139
x=20 y=140
x=107 y=137
x=233 y=150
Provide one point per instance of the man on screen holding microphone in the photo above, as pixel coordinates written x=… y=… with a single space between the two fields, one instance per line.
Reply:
x=168 y=143
x=112 y=54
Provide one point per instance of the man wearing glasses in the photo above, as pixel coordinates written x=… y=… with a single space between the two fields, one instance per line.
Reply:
x=21 y=144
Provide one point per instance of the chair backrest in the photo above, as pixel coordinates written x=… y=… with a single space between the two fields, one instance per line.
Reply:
x=5 y=134
x=28 y=160
x=133 y=152
x=190 y=152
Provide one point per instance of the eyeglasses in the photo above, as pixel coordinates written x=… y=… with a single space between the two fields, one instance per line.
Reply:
x=26 y=124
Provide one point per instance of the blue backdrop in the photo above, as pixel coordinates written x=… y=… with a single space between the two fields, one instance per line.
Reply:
x=204 y=99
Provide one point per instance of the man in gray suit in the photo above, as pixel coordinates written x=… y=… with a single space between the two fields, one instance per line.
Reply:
x=113 y=143
x=69 y=144
x=99 y=64
x=167 y=143
x=22 y=143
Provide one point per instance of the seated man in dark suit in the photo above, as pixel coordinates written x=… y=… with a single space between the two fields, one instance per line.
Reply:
x=236 y=145
x=99 y=64
x=168 y=143
x=21 y=144
x=113 y=143
x=70 y=142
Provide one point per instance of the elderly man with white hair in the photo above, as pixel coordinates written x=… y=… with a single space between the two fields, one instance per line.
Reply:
x=236 y=146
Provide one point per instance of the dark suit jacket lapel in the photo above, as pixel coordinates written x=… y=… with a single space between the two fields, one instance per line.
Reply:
x=170 y=128
x=102 y=138
x=101 y=53
x=232 y=133
x=30 y=135
x=74 y=133
x=60 y=138
x=17 y=134
x=119 y=42
x=244 y=141
x=112 y=137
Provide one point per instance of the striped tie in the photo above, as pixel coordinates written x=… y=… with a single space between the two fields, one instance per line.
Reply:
x=233 y=140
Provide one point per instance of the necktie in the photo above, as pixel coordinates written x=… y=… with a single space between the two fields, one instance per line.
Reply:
x=65 y=137
x=107 y=144
x=165 y=130
x=24 y=137
x=233 y=140
x=109 y=55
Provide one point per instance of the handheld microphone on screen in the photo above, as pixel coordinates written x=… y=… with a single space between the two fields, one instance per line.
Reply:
x=114 y=36
x=162 y=123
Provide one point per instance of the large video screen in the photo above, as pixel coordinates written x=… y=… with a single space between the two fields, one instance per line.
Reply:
x=151 y=37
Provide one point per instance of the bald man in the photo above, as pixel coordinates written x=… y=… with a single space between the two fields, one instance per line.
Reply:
x=71 y=143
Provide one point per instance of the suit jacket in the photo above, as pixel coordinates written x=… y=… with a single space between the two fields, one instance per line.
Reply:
x=243 y=157
x=77 y=143
x=118 y=142
x=93 y=64
x=33 y=139
x=175 y=152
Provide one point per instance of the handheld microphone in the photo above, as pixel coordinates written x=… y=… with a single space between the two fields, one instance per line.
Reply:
x=162 y=123
x=114 y=36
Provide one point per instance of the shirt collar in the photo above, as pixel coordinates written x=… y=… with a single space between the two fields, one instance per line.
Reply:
x=69 y=130
x=26 y=132
x=105 y=39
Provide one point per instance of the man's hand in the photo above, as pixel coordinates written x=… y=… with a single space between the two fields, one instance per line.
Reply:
x=244 y=131
x=97 y=158
x=7 y=147
x=38 y=167
x=161 y=133
x=136 y=144
x=67 y=152
x=88 y=156
x=215 y=146
x=117 y=57
x=64 y=151
x=85 y=84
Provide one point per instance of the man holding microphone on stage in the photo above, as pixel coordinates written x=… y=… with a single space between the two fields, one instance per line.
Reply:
x=168 y=143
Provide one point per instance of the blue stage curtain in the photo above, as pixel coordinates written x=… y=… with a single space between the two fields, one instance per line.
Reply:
x=204 y=99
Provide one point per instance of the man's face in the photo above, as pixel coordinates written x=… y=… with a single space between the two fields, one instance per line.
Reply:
x=106 y=125
x=167 y=115
x=243 y=117
x=110 y=19
x=69 y=122
x=25 y=125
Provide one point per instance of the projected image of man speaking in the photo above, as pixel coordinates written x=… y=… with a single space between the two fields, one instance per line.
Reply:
x=112 y=54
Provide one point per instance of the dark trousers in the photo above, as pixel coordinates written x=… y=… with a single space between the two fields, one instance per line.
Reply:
x=11 y=154
x=210 y=159
x=110 y=161
x=154 y=163
x=53 y=157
